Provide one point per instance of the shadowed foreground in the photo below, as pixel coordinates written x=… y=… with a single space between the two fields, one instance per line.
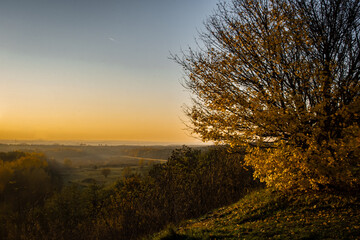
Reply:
x=269 y=215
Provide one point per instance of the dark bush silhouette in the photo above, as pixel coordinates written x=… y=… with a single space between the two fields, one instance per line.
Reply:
x=105 y=172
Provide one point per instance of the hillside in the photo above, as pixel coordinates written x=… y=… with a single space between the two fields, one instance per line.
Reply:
x=266 y=214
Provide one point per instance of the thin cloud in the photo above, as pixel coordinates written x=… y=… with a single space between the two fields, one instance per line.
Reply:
x=113 y=40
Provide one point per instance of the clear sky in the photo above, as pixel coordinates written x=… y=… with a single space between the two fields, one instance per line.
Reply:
x=95 y=69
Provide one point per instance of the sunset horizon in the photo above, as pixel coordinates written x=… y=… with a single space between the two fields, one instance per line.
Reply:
x=93 y=70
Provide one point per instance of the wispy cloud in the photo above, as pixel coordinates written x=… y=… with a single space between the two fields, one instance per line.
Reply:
x=113 y=40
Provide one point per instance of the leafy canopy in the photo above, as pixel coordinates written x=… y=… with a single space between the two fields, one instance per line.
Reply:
x=283 y=75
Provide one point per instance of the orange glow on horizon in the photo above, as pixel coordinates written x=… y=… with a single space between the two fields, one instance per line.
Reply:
x=85 y=127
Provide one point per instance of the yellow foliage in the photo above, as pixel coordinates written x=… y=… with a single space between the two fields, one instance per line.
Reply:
x=286 y=166
x=267 y=75
x=34 y=163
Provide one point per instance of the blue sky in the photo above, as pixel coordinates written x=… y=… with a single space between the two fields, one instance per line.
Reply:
x=95 y=70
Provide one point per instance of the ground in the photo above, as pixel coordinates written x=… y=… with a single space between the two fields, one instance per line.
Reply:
x=267 y=214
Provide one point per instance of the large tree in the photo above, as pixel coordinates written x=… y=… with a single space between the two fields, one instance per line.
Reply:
x=282 y=74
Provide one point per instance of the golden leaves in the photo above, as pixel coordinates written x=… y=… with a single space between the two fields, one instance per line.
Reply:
x=263 y=76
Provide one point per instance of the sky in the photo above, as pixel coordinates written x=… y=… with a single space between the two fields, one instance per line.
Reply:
x=96 y=69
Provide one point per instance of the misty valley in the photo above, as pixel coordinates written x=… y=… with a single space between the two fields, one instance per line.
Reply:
x=85 y=164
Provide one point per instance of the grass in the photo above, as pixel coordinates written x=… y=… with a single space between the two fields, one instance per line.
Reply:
x=266 y=214
x=85 y=175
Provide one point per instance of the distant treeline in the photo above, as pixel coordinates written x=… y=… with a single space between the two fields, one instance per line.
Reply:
x=189 y=184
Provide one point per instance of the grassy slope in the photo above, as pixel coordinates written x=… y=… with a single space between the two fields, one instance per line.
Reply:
x=269 y=215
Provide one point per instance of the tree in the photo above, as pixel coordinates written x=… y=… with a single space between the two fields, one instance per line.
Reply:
x=105 y=172
x=25 y=182
x=283 y=75
x=68 y=163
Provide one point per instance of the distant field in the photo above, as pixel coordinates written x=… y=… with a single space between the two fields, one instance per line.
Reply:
x=85 y=155
x=83 y=164
x=90 y=175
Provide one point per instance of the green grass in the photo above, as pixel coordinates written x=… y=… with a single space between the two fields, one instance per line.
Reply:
x=79 y=174
x=266 y=214
x=86 y=175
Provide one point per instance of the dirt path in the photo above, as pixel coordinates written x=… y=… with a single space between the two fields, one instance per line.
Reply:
x=147 y=159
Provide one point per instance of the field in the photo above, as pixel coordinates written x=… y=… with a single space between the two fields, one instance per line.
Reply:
x=88 y=175
x=84 y=164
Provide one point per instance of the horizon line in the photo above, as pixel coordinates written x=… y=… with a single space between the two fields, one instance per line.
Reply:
x=98 y=142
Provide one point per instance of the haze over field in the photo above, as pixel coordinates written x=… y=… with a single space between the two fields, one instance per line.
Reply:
x=95 y=70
